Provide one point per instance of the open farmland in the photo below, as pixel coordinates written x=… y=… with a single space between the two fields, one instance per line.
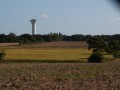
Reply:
x=8 y=44
x=47 y=54
x=60 y=76
x=49 y=44
x=48 y=51
x=57 y=51
x=16 y=75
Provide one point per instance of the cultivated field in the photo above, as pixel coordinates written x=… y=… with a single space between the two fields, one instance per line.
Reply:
x=9 y=44
x=60 y=76
x=20 y=72
x=47 y=54
x=64 y=51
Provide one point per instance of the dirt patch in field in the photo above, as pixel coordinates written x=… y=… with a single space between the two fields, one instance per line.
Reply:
x=60 y=76
x=59 y=45
x=9 y=44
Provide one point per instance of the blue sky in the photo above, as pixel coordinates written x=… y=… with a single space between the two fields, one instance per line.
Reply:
x=65 y=16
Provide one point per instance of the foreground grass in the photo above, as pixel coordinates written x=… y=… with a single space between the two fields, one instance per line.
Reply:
x=60 y=76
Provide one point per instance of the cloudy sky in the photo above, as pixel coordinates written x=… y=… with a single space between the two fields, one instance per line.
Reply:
x=65 y=16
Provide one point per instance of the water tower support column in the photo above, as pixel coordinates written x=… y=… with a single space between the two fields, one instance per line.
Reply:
x=33 y=22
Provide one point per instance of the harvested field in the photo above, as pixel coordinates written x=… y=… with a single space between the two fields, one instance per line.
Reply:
x=9 y=44
x=47 y=54
x=59 y=45
x=48 y=51
x=25 y=68
x=60 y=76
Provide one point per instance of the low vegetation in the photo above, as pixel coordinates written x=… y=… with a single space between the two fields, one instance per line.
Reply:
x=2 y=54
x=99 y=45
x=96 y=57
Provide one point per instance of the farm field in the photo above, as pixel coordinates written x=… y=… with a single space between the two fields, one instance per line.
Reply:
x=47 y=54
x=27 y=75
x=60 y=76
x=47 y=51
x=56 y=51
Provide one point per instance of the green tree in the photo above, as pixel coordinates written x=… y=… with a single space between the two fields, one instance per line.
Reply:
x=26 y=39
x=39 y=38
x=2 y=38
x=96 y=57
x=12 y=38
x=114 y=48
x=97 y=44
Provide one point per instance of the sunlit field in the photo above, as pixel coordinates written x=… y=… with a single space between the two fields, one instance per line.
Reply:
x=50 y=51
x=47 y=54
x=56 y=76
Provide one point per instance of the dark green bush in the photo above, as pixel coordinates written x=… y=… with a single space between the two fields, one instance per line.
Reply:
x=2 y=55
x=116 y=54
x=96 y=57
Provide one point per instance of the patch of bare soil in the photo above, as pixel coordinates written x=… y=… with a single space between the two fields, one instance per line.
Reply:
x=61 y=44
x=60 y=76
x=9 y=44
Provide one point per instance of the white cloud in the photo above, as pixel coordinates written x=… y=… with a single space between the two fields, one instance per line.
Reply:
x=45 y=16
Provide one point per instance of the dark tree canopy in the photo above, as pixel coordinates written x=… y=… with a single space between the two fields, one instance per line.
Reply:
x=53 y=37
x=114 y=48
x=97 y=44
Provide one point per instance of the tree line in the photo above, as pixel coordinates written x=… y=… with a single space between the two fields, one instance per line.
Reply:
x=52 y=37
x=102 y=44
x=102 y=47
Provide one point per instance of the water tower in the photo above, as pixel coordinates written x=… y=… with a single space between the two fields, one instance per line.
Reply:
x=33 y=21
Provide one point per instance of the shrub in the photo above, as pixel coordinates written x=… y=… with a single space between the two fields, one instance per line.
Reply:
x=96 y=57
x=116 y=54
x=2 y=55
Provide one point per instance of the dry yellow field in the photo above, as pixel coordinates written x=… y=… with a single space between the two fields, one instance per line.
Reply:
x=49 y=51
x=47 y=54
